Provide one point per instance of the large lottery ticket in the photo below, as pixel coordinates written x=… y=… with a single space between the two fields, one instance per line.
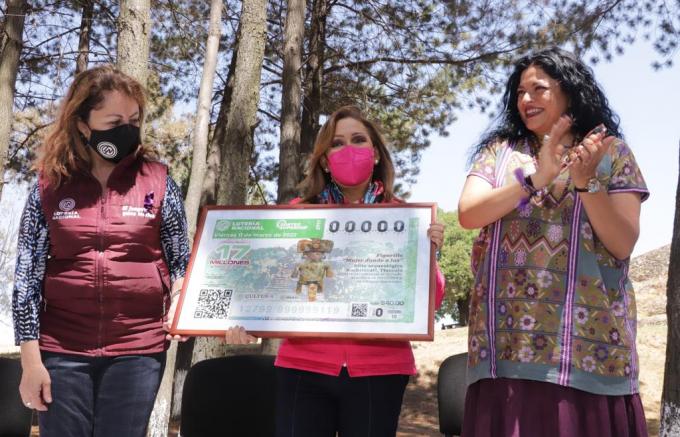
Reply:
x=312 y=270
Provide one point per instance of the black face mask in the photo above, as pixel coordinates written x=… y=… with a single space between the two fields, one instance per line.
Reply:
x=115 y=144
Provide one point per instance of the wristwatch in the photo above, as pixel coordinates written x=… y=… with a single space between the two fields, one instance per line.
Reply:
x=592 y=186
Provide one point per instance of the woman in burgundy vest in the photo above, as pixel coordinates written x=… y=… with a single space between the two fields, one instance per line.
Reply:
x=354 y=387
x=101 y=256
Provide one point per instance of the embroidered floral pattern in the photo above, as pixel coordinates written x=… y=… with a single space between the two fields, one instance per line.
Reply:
x=540 y=342
x=520 y=277
x=526 y=354
x=474 y=344
x=588 y=364
x=614 y=336
x=544 y=278
x=601 y=353
x=515 y=231
x=525 y=210
x=555 y=233
x=532 y=280
x=533 y=228
x=618 y=308
x=586 y=231
x=531 y=290
x=502 y=309
x=581 y=315
x=527 y=323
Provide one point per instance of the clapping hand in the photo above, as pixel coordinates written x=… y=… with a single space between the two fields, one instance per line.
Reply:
x=550 y=162
x=585 y=157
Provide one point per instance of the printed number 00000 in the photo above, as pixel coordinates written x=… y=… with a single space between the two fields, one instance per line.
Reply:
x=366 y=226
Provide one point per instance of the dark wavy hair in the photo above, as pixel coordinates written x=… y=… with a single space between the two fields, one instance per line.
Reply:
x=588 y=105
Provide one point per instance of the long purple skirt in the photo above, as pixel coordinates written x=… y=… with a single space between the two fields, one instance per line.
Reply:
x=520 y=408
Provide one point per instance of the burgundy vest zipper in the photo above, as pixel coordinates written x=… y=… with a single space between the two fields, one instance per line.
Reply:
x=99 y=275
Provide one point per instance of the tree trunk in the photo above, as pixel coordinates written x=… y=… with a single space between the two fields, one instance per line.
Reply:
x=174 y=376
x=9 y=66
x=242 y=119
x=208 y=197
x=198 y=163
x=289 y=147
x=134 y=33
x=670 y=399
x=241 y=122
x=463 y=311
x=209 y=194
x=84 y=40
x=311 y=107
x=160 y=416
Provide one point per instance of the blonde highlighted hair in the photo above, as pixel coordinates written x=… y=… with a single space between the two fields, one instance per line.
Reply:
x=64 y=151
x=317 y=179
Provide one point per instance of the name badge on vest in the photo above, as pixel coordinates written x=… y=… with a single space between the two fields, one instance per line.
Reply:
x=66 y=210
x=145 y=211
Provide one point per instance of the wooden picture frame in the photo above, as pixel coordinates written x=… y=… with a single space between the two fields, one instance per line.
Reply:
x=337 y=271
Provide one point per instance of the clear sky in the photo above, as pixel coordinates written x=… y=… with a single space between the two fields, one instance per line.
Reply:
x=648 y=103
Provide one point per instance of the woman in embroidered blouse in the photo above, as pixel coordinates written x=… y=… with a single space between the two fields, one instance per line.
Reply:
x=354 y=387
x=102 y=253
x=557 y=194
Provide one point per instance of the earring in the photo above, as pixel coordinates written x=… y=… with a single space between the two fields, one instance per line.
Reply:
x=326 y=169
x=377 y=161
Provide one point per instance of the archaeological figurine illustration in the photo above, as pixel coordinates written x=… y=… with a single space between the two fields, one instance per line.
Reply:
x=312 y=271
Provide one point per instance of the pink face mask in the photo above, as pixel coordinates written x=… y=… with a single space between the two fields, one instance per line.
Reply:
x=352 y=165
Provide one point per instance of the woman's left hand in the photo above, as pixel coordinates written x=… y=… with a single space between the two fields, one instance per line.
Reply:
x=436 y=234
x=589 y=153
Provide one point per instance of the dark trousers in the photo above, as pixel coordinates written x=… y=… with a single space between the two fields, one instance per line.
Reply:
x=315 y=405
x=100 y=396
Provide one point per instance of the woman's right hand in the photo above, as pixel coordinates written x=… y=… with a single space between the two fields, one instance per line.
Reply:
x=550 y=155
x=35 y=386
x=238 y=335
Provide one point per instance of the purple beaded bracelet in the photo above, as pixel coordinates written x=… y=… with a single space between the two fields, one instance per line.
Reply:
x=527 y=185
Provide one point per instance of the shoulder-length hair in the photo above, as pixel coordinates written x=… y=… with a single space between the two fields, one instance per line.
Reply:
x=587 y=104
x=317 y=179
x=64 y=151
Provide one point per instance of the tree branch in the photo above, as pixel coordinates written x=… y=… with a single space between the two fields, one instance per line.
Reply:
x=441 y=61
x=271 y=82
x=55 y=37
x=28 y=137
x=270 y=115
x=271 y=70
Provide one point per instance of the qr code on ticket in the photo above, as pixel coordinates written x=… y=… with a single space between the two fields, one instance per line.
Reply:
x=359 y=309
x=213 y=303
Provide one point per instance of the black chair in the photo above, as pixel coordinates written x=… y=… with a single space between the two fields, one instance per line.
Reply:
x=451 y=388
x=15 y=418
x=231 y=396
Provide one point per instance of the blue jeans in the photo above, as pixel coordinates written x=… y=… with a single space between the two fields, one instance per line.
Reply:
x=100 y=396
